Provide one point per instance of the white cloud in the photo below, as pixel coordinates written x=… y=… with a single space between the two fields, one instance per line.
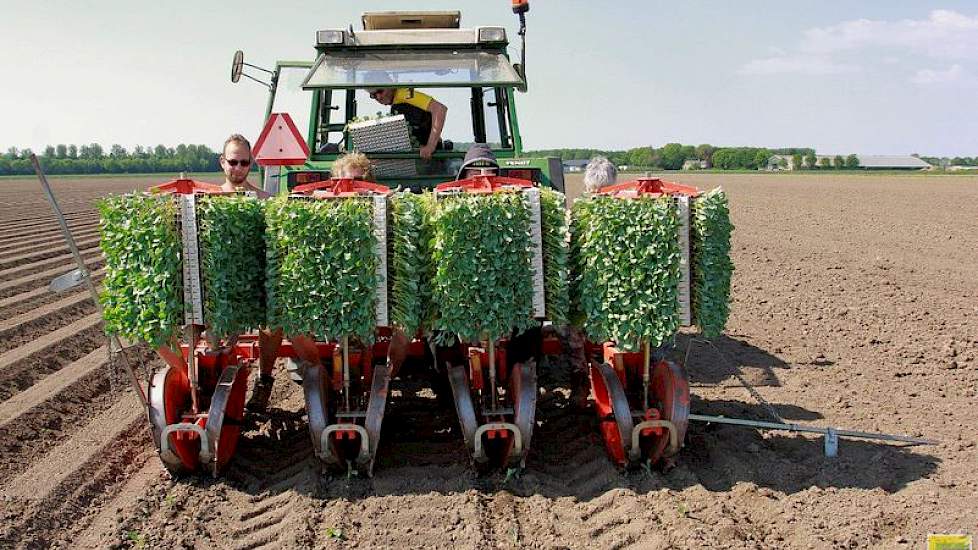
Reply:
x=943 y=34
x=796 y=64
x=844 y=47
x=953 y=74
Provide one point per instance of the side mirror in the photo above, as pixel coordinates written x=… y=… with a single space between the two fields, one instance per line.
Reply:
x=237 y=65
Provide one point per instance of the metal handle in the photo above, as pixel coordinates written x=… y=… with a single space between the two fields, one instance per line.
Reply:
x=170 y=457
x=636 y=450
x=479 y=453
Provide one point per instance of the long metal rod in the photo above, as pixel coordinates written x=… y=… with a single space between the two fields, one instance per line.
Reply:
x=809 y=429
x=492 y=374
x=346 y=371
x=86 y=276
x=646 y=375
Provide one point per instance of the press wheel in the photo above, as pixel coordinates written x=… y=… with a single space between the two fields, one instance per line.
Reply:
x=614 y=413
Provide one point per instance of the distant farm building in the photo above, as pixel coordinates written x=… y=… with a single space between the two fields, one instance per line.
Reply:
x=892 y=162
x=694 y=164
x=574 y=165
x=780 y=162
x=866 y=162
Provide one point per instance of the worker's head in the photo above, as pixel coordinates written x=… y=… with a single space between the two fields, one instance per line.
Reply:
x=479 y=161
x=236 y=159
x=384 y=96
x=352 y=165
x=600 y=172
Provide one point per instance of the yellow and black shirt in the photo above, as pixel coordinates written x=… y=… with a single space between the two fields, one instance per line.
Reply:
x=414 y=105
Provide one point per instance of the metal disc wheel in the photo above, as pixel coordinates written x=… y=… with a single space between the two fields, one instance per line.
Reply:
x=670 y=394
x=376 y=406
x=315 y=387
x=169 y=399
x=226 y=414
x=524 y=387
x=614 y=413
x=459 y=381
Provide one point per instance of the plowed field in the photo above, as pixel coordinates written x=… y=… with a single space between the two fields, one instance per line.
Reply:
x=855 y=305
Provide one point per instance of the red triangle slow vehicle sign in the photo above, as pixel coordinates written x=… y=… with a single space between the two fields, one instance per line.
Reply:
x=280 y=143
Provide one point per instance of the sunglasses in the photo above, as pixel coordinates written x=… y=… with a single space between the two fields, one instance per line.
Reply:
x=235 y=162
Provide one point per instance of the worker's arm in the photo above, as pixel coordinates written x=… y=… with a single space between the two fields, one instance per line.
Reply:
x=438 y=114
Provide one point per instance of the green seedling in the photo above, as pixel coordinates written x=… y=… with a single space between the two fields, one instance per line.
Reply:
x=626 y=262
x=711 y=267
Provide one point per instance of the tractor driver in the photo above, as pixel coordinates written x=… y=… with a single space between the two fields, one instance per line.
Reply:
x=424 y=113
x=236 y=162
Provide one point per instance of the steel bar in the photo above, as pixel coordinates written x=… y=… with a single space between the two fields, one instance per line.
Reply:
x=86 y=276
x=810 y=429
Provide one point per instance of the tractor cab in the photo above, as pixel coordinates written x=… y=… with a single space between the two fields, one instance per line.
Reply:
x=412 y=54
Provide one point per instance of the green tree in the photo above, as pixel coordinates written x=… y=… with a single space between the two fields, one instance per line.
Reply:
x=760 y=158
x=796 y=160
x=12 y=154
x=824 y=163
x=61 y=151
x=811 y=160
x=852 y=162
x=672 y=156
x=640 y=156
x=838 y=162
x=704 y=152
x=73 y=151
x=48 y=152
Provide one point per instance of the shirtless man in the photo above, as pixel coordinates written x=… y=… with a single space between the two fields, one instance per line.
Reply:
x=236 y=162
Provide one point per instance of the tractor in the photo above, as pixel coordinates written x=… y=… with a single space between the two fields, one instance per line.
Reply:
x=492 y=383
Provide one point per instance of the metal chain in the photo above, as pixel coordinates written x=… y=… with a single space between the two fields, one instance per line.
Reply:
x=733 y=370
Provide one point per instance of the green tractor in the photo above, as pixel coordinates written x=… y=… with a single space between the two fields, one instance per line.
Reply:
x=398 y=54
x=468 y=70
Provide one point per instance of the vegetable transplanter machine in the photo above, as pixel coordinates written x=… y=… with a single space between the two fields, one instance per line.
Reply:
x=479 y=282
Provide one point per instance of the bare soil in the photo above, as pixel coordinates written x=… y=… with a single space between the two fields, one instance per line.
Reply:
x=854 y=305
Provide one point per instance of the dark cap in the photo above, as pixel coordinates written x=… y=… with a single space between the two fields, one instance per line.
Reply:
x=479 y=155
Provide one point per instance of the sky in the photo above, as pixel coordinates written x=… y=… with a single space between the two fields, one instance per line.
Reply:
x=873 y=77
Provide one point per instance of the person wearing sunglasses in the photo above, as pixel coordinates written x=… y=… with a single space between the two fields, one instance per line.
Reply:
x=424 y=114
x=236 y=162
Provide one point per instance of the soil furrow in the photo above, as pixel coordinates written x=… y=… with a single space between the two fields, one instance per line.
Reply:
x=48 y=340
x=19 y=303
x=23 y=373
x=68 y=507
x=28 y=282
x=51 y=251
x=52 y=234
x=20 y=271
x=34 y=245
x=36 y=321
x=46 y=225
x=51 y=385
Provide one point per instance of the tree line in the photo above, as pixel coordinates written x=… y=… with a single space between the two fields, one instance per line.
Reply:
x=94 y=159
x=672 y=156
